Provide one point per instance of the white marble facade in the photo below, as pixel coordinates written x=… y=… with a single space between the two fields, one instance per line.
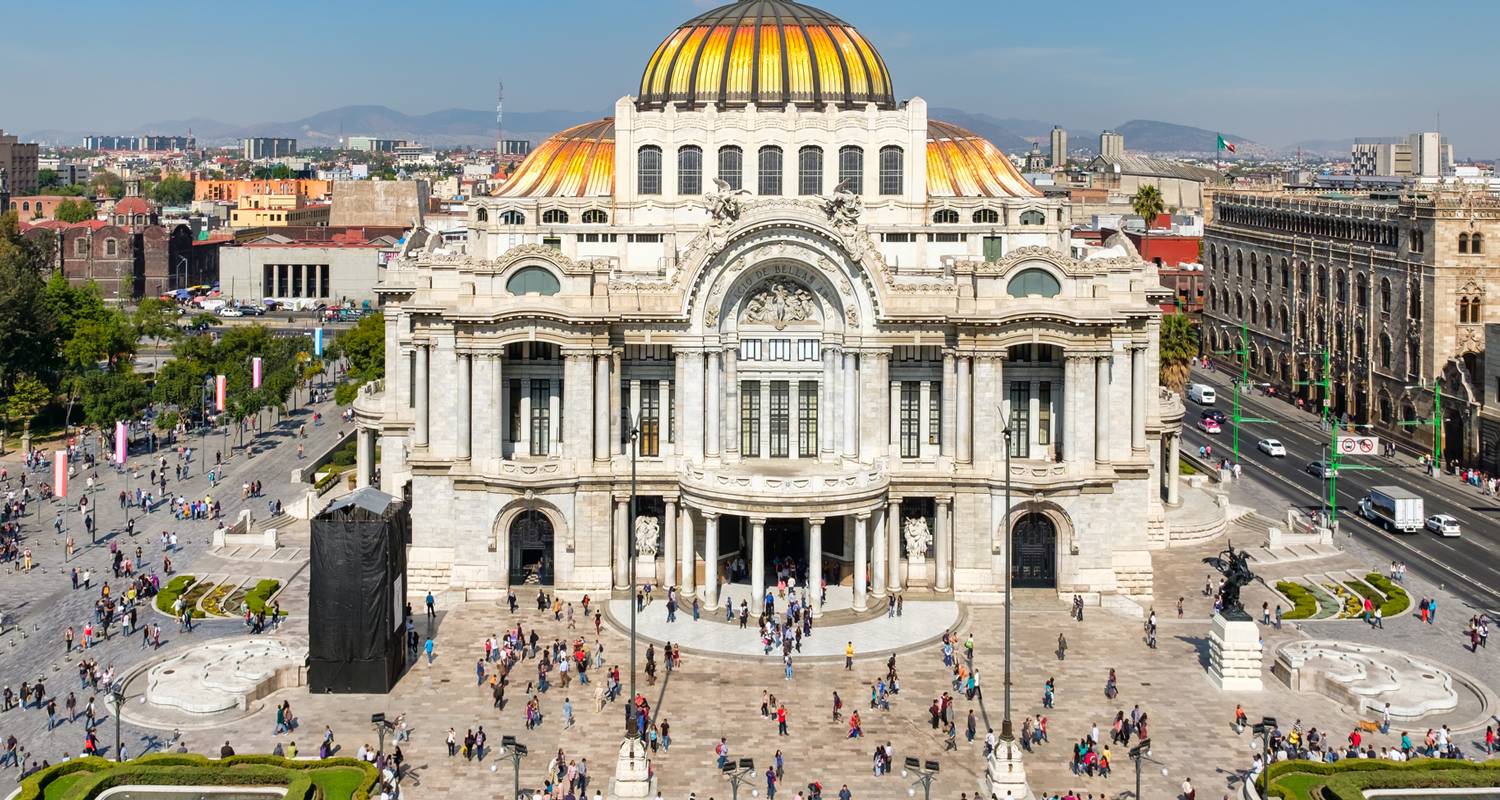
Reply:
x=807 y=373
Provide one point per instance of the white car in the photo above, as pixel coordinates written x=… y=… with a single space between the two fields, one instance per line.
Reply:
x=230 y=311
x=1442 y=525
x=1271 y=447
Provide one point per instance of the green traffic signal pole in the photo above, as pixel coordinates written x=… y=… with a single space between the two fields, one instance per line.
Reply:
x=1242 y=353
x=1436 y=420
x=1334 y=463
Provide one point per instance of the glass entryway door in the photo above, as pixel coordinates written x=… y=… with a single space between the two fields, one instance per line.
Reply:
x=1034 y=553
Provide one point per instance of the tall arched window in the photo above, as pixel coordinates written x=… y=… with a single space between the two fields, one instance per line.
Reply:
x=1361 y=290
x=768 y=170
x=512 y=218
x=1414 y=300
x=1476 y=244
x=480 y=215
x=892 y=166
x=987 y=216
x=554 y=216
x=1463 y=243
x=111 y=248
x=810 y=170
x=1385 y=295
x=852 y=167
x=732 y=166
x=648 y=170
x=1342 y=289
x=945 y=216
x=690 y=170
x=1254 y=269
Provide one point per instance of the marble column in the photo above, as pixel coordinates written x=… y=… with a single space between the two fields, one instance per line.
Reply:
x=617 y=442
x=965 y=410
x=710 y=560
x=1138 y=398
x=497 y=419
x=420 y=435
x=1101 y=409
x=523 y=439
x=942 y=540
x=364 y=456
x=825 y=406
x=815 y=565
x=634 y=415
x=731 y=388
x=757 y=561
x=893 y=539
x=893 y=419
x=555 y=419
x=622 y=544
x=669 y=543
x=1174 y=469
x=715 y=400
x=463 y=365
x=601 y=407
x=690 y=393
x=687 y=579
x=861 y=559
x=947 y=430
x=1073 y=416
x=664 y=436
x=927 y=423
x=851 y=406
x=877 y=555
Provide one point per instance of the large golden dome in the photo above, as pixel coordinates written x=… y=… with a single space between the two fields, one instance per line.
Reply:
x=768 y=52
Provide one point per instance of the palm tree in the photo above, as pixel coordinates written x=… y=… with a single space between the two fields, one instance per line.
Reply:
x=1177 y=348
x=1148 y=203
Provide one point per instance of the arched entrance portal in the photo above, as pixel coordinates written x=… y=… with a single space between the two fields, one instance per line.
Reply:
x=531 y=539
x=1034 y=553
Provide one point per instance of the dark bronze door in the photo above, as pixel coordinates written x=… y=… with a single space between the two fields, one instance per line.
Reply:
x=1034 y=553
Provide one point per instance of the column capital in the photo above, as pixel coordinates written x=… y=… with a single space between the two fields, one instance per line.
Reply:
x=815 y=521
x=943 y=499
x=758 y=521
x=669 y=500
x=709 y=516
x=862 y=516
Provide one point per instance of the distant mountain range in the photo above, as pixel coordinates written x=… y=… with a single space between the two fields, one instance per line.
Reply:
x=460 y=126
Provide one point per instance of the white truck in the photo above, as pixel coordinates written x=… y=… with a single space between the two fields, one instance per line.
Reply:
x=1393 y=508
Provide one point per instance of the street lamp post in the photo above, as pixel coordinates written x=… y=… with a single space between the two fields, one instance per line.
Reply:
x=118 y=696
x=926 y=773
x=1263 y=729
x=635 y=448
x=1005 y=773
x=515 y=751
x=738 y=773
x=1142 y=752
x=377 y=721
x=1007 y=733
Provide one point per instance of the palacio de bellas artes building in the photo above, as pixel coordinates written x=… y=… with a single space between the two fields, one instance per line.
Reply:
x=817 y=309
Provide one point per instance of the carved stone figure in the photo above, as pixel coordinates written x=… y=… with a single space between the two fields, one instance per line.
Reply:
x=1235 y=567
x=724 y=204
x=647 y=535
x=780 y=304
x=918 y=537
x=843 y=207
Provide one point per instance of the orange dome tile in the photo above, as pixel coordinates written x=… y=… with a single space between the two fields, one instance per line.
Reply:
x=577 y=162
x=961 y=163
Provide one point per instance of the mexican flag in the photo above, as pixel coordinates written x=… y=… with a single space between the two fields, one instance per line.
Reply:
x=1223 y=145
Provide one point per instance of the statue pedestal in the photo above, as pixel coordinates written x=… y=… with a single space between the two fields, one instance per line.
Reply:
x=1005 y=776
x=918 y=572
x=1234 y=653
x=632 y=780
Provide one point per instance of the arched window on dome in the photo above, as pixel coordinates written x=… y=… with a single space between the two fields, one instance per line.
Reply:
x=481 y=215
x=852 y=167
x=892 y=170
x=810 y=170
x=945 y=216
x=648 y=170
x=732 y=166
x=768 y=170
x=1033 y=217
x=554 y=216
x=512 y=218
x=595 y=217
x=1033 y=282
x=532 y=280
x=987 y=216
x=690 y=170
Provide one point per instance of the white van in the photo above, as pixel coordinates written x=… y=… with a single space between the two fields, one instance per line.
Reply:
x=1201 y=393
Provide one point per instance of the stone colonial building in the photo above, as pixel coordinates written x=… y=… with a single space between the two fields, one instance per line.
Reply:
x=810 y=311
x=1394 y=287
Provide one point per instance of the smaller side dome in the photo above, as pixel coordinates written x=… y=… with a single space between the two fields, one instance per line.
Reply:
x=961 y=163
x=577 y=162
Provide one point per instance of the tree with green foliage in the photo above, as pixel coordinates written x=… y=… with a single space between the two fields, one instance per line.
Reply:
x=28 y=396
x=91 y=335
x=47 y=177
x=173 y=190
x=364 y=348
x=107 y=184
x=79 y=210
x=113 y=394
x=71 y=190
x=28 y=332
x=1147 y=202
x=156 y=319
x=1176 y=350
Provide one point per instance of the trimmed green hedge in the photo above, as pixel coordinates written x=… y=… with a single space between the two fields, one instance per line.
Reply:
x=327 y=480
x=1397 y=601
x=303 y=779
x=1347 y=779
x=262 y=592
x=173 y=590
x=1304 y=604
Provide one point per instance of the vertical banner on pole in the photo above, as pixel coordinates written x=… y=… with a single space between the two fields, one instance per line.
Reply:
x=255 y=372
x=318 y=341
x=219 y=392
x=121 y=442
x=60 y=473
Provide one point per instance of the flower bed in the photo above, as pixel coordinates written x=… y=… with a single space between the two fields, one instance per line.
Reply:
x=1304 y=602
x=259 y=597
x=213 y=602
x=1397 y=601
x=196 y=593
x=1348 y=779
x=173 y=590
x=87 y=777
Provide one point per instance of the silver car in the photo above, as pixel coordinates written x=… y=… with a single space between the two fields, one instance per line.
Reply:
x=1442 y=525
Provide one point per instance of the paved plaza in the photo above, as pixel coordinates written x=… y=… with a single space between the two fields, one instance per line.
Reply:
x=718 y=690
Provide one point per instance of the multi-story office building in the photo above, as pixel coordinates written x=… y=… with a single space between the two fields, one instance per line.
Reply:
x=155 y=144
x=370 y=144
x=259 y=148
x=1111 y=144
x=19 y=160
x=1395 y=289
x=817 y=371
x=1420 y=155
x=1059 y=146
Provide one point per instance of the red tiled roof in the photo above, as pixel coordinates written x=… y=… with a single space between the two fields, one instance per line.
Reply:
x=133 y=205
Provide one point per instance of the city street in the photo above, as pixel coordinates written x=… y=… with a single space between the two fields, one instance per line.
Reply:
x=1467 y=562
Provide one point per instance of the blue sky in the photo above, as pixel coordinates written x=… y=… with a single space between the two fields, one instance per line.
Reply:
x=1276 y=72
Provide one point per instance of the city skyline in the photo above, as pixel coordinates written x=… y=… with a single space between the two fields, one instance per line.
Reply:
x=1294 y=88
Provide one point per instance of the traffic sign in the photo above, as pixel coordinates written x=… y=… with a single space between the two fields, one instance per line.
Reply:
x=1359 y=445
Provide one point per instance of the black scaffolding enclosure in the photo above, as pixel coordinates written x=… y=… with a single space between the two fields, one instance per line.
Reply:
x=356 y=621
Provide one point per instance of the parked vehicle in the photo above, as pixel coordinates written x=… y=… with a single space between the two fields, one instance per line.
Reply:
x=1393 y=508
x=1272 y=447
x=1201 y=393
x=1443 y=525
